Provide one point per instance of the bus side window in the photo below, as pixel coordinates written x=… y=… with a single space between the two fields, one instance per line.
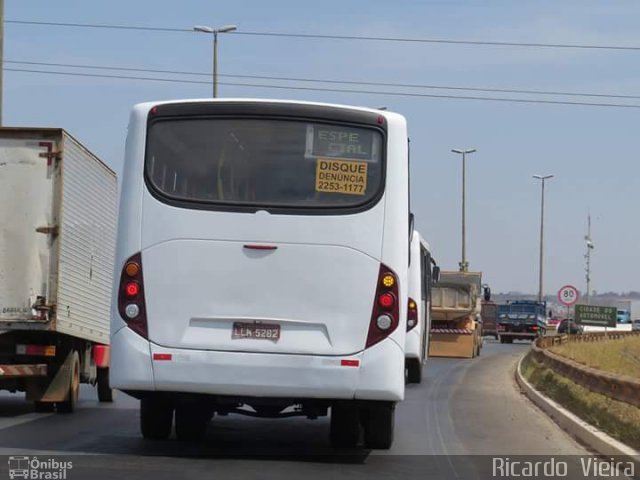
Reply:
x=424 y=268
x=428 y=275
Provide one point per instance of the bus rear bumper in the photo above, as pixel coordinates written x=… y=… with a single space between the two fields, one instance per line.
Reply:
x=373 y=374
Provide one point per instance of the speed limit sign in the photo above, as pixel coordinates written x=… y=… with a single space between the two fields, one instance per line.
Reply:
x=568 y=295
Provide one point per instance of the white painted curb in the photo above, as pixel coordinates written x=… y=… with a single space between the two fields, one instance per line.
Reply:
x=596 y=439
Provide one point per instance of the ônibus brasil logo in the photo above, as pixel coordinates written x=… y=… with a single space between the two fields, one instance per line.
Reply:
x=31 y=468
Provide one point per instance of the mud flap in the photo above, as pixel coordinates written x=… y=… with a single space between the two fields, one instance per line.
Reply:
x=58 y=389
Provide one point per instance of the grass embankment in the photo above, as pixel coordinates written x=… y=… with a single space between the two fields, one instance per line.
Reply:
x=618 y=419
x=621 y=356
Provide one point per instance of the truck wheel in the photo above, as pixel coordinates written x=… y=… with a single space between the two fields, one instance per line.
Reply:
x=379 y=426
x=69 y=405
x=191 y=422
x=414 y=370
x=105 y=392
x=43 y=407
x=156 y=418
x=344 y=430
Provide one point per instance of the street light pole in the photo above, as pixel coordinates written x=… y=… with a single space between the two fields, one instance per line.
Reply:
x=214 y=32
x=215 y=64
x=587 y=257
x=464 y=265
x=540 y=280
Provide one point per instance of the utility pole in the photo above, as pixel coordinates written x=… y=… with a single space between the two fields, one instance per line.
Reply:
x=542 y=178
x=1 y=58
x=587 y=257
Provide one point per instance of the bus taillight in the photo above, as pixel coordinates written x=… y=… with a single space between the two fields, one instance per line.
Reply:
x=385 y=314
x=132 y=289
x=131 y=304
x=386 y=300
x=412 y=314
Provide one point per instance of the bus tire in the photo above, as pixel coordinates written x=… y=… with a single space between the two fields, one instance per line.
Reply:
x=191 y=422
x=379 y=425
x=156 y=418
x=71 y=403
x=105 y=392
x=414 y=370
x=344 y=429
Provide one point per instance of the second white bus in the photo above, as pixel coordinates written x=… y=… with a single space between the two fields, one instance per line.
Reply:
x=421 y=277
x=262 y=264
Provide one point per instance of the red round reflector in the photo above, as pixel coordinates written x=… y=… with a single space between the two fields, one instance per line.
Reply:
x=386 y=300
x=132 y=289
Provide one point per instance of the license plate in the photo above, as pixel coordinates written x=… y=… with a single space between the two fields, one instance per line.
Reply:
x=258 y=331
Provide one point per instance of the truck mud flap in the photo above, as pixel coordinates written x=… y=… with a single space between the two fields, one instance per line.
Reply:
x=58 y=389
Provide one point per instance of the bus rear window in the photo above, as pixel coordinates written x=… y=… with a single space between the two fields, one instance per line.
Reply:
x=264 y=163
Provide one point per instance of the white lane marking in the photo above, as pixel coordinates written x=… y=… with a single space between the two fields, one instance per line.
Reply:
x=20 y=419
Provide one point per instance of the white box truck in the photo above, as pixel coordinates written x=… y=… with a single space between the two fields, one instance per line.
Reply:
x=57 y=244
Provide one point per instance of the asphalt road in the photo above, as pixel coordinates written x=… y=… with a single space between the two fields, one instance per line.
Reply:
x=462 y=407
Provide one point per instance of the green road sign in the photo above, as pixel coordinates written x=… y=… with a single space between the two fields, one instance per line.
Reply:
x=596 y=316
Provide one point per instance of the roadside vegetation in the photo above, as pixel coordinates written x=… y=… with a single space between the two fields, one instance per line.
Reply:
x=621 y=356
x=618 y=419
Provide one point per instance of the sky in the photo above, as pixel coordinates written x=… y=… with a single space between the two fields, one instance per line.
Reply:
x=591 y=151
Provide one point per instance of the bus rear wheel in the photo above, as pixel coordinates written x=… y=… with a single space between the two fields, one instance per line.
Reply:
x=192 y=422
x=156 y=418
x=344 y=430
x=379 y=425
x=414 y=370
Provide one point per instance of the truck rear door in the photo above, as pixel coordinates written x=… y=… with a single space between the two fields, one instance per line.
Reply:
x=27 y=223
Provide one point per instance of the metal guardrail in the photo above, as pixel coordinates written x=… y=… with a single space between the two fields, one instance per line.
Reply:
x=619 y=387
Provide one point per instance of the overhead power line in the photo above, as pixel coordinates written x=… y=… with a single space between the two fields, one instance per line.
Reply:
x=335 y=37
x=335 y=90
x=330 y=81
x=99 y=25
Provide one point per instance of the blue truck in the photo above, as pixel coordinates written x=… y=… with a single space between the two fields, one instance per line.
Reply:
x=521 y=320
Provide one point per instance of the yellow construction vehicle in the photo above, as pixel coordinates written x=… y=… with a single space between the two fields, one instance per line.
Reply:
x=456 y=325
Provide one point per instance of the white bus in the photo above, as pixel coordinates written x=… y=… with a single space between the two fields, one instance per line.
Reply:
x=421 y=278
x=262 y=265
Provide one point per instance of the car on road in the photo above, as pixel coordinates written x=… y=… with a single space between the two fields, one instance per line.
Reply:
x=623 y=315
x=569 y=326
x=635 y=326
